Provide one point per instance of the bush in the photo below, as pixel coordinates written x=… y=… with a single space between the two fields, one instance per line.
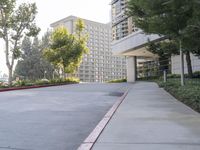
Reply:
x=57 y=81
x=22 y=83
x=188 y=94
x=150 y=78
x=3 y=85
x=118 y=81
x=63 y=81
x=173 y=76
x=42 y=82
x=72 y=80
x=196 y=74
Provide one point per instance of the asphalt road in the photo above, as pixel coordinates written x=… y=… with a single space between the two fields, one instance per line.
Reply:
x=54 y=118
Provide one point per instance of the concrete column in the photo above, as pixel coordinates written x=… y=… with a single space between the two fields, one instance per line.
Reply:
x=131 y=69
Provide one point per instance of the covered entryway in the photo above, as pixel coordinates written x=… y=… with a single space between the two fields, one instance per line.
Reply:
x=134 y=48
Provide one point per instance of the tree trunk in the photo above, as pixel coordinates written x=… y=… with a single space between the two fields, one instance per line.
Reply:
x=10 y=76
x=164 y=65
x=189 y=64
x=53 y=75
x=64 y=74
x=9 y=66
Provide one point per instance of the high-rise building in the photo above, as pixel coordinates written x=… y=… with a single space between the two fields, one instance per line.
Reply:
x=99 y=65
x=131 y=42
x=128 y=40
x=122 y=25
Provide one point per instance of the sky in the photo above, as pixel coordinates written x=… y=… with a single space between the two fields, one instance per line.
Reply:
x=50 y=11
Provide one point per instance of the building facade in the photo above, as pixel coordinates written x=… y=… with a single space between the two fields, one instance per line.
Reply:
x=99 y=65
x=122 y=25
x=175 y=64
x=131 y=42
x=128 y=40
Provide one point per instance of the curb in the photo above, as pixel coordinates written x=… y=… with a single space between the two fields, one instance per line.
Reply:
x=89 y=142
x=30 y=87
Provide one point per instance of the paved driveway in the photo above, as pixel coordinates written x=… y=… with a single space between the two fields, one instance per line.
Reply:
x=55 y=118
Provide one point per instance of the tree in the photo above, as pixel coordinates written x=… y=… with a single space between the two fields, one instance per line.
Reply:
x=23 y=65
x=66 y=50
x=45 y=64
x=32 y=65
x=192 y=32
x=14 y=24
x=168 y=18
x=164 y=17
x=164 y=49
x=28 y=66
x=191 y=36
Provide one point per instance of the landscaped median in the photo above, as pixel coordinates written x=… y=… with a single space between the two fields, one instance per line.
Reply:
x=27 y=84
x=188 y=94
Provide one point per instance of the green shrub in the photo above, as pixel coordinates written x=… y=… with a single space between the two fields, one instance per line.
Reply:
x=196 y=74
x=63 y=81
x=150 y=78
x=188 y=94
x=118 y=81
x=53 y=81
x=173 y=76
x=30 y=84
x=21 y=83
x=42 y=82
x=72 y=80
x=3 y=85
x=59 y=81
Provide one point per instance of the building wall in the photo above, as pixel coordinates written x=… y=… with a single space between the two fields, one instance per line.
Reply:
x=127 y=39
x=122 y=25
x=99 y=65
x=131 y=41
x=175 y=64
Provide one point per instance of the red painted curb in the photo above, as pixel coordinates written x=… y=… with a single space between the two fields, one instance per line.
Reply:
x=31 y=87
x=94 y=135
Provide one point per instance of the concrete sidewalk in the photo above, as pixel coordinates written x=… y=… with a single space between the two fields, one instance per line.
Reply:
x=151 y=119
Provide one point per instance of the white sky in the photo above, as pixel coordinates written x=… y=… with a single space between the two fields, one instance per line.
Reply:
x=50 y=11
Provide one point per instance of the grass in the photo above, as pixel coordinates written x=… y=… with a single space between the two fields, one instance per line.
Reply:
x=188 y=94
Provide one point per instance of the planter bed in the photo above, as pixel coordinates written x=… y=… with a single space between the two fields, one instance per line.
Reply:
x=32 y=87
